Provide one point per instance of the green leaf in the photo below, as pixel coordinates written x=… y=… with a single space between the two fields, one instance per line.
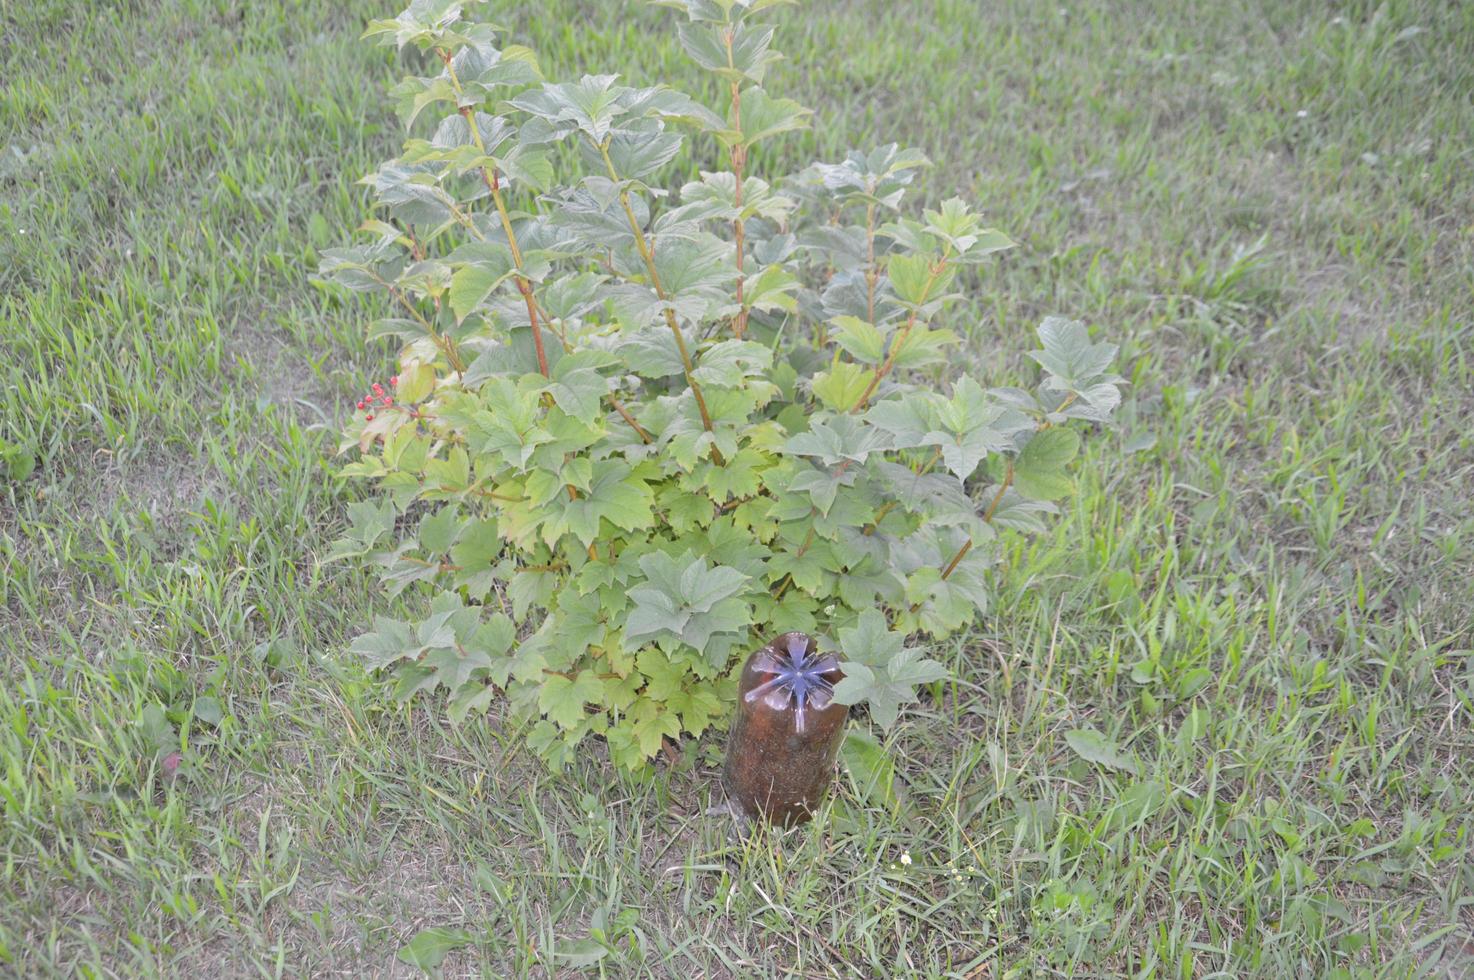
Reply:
x=874 y=771
x=1054 y=448
x=369 y=522
x=771 y=289
x=863 y=341
x=1039 y=472
x=651 y=353
x=749 y=56
x=879 y=670
x=912 y=277
x=739 y=478
x=837 y=438
x=764 y=116
x=1136 y=803
x=861 y=684
x=577 y=387
x=870 y=641
x=640 y=154
x=1069 y=355
x=652 y=725
x=528 y=166
x=16 y=461
x=684 y=510
x=909 y=420
x=910 y=668
x=841 y=386
x=391 y=641
x=685 y=599
x=1094 y=747
x=208 y=710
x=589 y=104
x=729 y=363
x=923 y=347
x=822 y=486
x=563 y=700
x=577 y=953
x=438 y=530
x=616 y=494
x=428 y=949
x=703 y=587
x=808 y=570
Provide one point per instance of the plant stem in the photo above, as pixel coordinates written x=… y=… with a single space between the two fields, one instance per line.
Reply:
x=952 y=565
x=648 y=256
x=441 y=340
x=874 y=524
x=889 y=505
x=624 y=414
x=614 y=402
x=739 y=162
x=998 y=497
x=493 y=184
x=871 y=272
x=900 y=341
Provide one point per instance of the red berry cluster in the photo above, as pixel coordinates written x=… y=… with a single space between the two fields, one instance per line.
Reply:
x=377 y=396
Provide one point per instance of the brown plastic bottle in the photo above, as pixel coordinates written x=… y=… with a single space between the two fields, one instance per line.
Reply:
x=787 y=732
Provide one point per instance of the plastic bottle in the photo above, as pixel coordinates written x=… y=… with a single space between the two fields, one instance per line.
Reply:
x=787 y=732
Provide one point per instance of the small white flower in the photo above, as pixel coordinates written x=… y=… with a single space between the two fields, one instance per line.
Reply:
x=1301 y=114
x=906 y=858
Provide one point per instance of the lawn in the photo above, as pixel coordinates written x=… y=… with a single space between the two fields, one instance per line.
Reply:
x=1263 y=597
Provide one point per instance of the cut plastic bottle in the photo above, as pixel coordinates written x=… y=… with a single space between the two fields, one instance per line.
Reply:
x=787 y=731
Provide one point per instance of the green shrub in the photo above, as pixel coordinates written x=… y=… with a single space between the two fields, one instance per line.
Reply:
x=637 y=430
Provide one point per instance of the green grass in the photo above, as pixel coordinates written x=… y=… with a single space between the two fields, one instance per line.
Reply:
x=1263 y=595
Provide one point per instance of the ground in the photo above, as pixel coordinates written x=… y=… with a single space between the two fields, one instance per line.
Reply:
x=1260 y=602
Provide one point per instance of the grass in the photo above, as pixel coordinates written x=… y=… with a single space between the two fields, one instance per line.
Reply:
x=1263 y=596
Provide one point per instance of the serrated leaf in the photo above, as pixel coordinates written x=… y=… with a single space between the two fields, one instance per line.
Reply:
x=651 y=353
x=729 y=363
x=870 y=641
x=822 y=486
x=639 y=154
x=861 y=340
x=879 y=669
x=563 y=699
x=771 y=289
x=1069 y=355
x=703 y=587
x=748 y=57
x=838 y=438
x=616 y=494
x=652 y=726
x=907 y=419
x=578 y=388
x=391 y=641
x=685 y=599
x=764 y=116
x=1039 y=472
x=912 y=277
x=438 y=530
x=841 y=386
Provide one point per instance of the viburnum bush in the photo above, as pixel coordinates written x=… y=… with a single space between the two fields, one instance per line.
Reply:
x=636 y=430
